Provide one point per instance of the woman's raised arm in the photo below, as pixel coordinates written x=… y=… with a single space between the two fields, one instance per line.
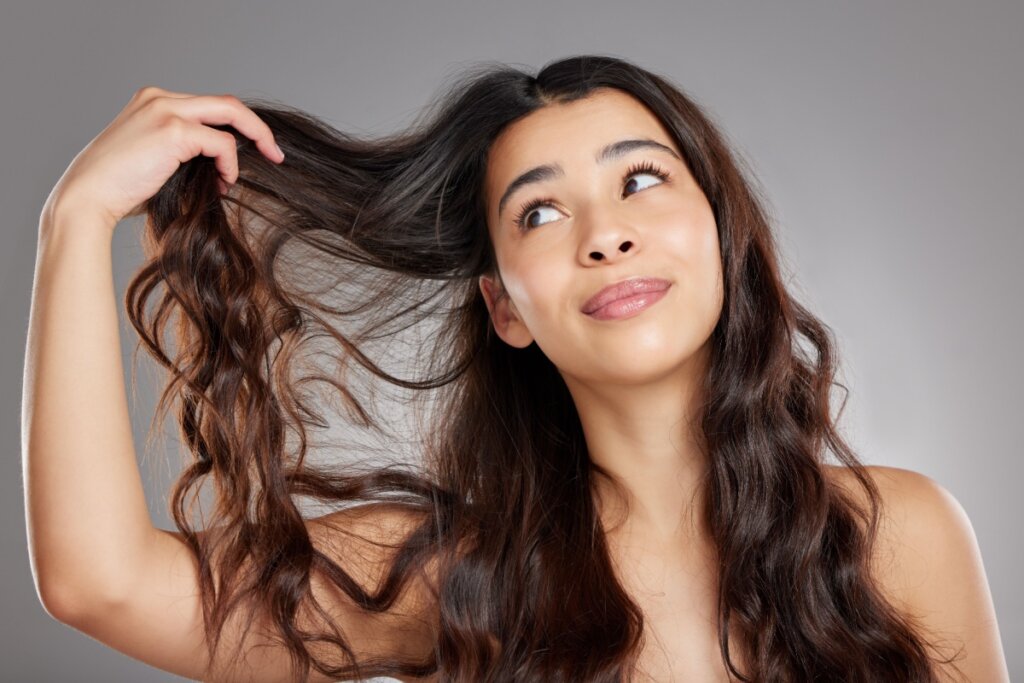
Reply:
x=99 y=563
x=86 y=509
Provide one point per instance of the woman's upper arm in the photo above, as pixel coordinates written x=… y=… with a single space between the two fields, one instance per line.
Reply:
x=160 y=621
x=934 y=565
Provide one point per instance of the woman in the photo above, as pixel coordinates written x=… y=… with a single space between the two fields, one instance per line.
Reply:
x=624 y=474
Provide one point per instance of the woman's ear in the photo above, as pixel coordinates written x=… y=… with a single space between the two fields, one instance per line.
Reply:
x=504 y=317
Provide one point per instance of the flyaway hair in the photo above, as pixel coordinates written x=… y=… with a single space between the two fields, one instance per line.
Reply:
x=301 y=289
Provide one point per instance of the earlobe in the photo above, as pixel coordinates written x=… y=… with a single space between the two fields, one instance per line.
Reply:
x=504 y=317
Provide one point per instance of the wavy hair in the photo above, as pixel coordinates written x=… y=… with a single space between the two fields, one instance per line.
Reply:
x=358 y=242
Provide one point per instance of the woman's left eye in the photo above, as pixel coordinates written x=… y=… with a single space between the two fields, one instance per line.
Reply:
x=645 y=168
x=634 y=182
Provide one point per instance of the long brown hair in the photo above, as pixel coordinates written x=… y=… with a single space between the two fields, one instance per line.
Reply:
x=355 y=241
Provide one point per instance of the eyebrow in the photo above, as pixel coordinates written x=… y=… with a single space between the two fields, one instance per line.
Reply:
x=607 y=153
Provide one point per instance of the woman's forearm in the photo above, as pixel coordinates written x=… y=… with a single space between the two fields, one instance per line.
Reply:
x=85 y=504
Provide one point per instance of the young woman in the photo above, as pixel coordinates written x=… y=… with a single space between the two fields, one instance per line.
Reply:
x=623 y=475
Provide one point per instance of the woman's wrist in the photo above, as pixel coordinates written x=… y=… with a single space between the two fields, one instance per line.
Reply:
x=63 y=215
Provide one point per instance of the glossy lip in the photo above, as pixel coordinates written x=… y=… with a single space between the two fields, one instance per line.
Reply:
x=623 y=289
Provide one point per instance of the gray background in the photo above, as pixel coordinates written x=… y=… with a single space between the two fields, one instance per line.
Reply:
x=887 y=136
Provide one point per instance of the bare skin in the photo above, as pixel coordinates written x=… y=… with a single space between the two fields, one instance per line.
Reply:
x=631 y=379
x=635 y=381
x=101 y=566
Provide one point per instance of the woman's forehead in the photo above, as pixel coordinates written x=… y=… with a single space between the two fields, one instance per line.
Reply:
x=563 y=132
x=548 y=131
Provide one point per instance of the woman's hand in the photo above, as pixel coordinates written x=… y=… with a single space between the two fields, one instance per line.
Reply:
x=157 y=131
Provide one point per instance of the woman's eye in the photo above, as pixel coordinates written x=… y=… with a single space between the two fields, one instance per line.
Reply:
x=639 y=175
x=522 y=219
x=526 y=222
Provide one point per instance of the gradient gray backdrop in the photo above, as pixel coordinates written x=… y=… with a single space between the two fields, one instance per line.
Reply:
x=886 y=134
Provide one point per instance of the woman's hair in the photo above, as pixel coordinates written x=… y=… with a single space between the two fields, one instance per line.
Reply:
x=356 y=241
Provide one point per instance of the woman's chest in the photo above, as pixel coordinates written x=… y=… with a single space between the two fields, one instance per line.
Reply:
x=681 y=643
x=679 y=603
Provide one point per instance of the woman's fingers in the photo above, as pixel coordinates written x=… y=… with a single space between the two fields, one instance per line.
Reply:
x=156 y=132
x=217 y=144
x=228 y=109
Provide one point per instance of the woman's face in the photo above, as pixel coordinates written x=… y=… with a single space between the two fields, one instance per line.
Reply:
x=602 y=224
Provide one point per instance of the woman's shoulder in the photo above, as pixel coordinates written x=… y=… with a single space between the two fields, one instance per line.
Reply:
x=927 y=561
x=892 y=479
x=902 y=491
x=910 y=501
x=918 y=520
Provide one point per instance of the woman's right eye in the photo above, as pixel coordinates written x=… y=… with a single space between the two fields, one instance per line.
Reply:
x=527 y=210
x=525 y=223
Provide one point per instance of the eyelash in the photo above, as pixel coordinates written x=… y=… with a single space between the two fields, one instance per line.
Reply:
x=635 y=169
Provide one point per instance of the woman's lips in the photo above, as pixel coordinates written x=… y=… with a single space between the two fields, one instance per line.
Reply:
x=628 y=306
x=625 y=297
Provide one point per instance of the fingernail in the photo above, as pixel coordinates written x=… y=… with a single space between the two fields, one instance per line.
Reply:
x=279 y=152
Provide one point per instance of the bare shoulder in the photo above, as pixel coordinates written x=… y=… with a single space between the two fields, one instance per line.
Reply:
x=917 y=518
x=927 y=561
